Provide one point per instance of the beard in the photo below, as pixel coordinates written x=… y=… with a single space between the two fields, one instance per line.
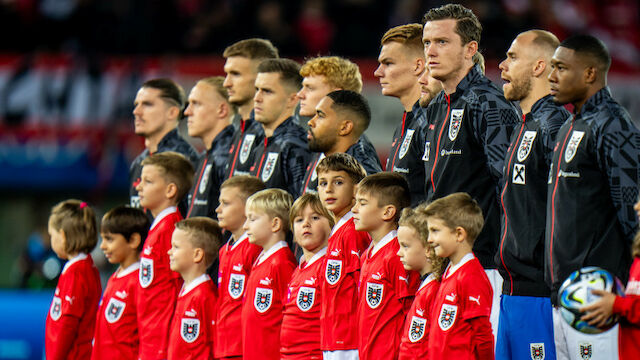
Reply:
x=425 y=99
x=320 y=145
x=519 y=89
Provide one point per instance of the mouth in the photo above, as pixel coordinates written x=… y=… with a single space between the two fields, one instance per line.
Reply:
x=553 y=91
x=432 y=64
x=306 y=233
x=310 y=135
x=329 y=201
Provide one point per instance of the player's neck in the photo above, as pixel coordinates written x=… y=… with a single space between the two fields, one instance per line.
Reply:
x=592 y=91
x=451 y=83
x=193 y=273
x=131 y=259
x=381 y=231
x=273 y=240
x=538 y=91
x=343 y=143
x=461 y=251
x=237 y=234
x=167 y=203
x=244 y=110
x=272 y=126
x=411 y=97
x=208 y=138
x=309 y=254
x=343 y=212
x=151 y=142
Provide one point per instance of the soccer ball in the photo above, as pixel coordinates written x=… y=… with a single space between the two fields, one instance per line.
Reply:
x=575 y=293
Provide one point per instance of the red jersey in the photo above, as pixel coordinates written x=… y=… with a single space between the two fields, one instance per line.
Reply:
x=193 y=325
x=264 y=302
x=629 y=308
x=300 y=334
x=415 y=336
x=116 y=336
x=159 y=287
x=235 y=266
x=338 y=322
x=464 y=294
x=385 y=294
x=72 y=316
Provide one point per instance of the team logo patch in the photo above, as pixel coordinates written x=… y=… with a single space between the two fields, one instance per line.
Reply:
x=425 y=156
x=572 y=147
x=455 y=123
x=526 y=144
x=236 y=285
x=374 y=294
x=537 y=351
x=205 y=178
x=245 y=150
x=56 y=308
x=333 y=271
x=518 y=174
x=114 y=310
x=190 y=329
x=586 y=350
x=262 y=301
x=269 y=166
x=416 y=331
x=146 y=272
x=447 y=316
x=306 y=296
x=405 y=143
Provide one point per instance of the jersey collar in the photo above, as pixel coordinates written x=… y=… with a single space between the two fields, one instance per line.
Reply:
x=315 y=257
x=426 y=281
x=162 y=215
x=193 y=284
x=131 y=268
x=243 y=237
x=384 y=241
x=75 y=259
x=266 y=254
x=343 y=220
x=451 y=269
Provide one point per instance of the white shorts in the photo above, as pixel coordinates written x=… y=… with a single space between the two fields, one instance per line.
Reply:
x=496 y=284
x=340 y=355
x=573 y=344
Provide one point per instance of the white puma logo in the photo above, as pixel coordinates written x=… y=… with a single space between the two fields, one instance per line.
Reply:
x=476 y=300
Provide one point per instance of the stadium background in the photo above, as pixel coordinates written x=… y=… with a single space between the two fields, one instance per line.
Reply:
x=69 y=70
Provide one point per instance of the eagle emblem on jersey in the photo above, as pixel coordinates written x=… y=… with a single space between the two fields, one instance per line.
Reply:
x=269 y=166
x=374 y=294
x=306 y=296
x=447 y=316
x=114 y=310
x=572 y=147
x=333 y=271
x=263 y=299
x=586 y=350
x=455 y=122
x=146 y=272
x=205 y=178
x=56 y=308
x=189 y=329
x=526 y=144
x=236 y=285
x=405 y=143
x=416 y=330
x=537 y=351
x=245 y=150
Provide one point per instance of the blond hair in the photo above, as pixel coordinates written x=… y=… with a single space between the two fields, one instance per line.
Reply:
x=247 y=185
x=458 y=210
x=204 y=233
x=409 y=35
x=313 y=201
x=216 y=83
x=174 y=169
x=338 y=72
x=416 y=219
x=272 y=202
x=254 y=49
x=78 y=222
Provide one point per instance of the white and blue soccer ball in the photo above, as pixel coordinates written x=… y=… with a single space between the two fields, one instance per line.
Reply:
x=575 y=293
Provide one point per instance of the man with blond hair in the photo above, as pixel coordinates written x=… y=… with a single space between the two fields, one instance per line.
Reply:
x=323 y=75
x=402 y=63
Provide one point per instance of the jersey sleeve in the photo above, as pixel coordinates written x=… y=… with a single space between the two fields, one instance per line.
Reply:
x=628 y=307
x=482 y=338
x=476 y=296
x=404 y=282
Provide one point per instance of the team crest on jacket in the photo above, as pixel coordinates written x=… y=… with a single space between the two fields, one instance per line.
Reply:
x=333 y=271
x=205 y=178
x=306 y=297
x=263 y=299
x=374 y=294
x=114 y=310
x=236 y=285
x=245 y=150
x=269 y=166
x=586 y=350
x=190 y=329
x=146 y=272
x=425 y=156
x=56 y=308
x=416 y=331
x=537 y=351
x=406 y=143
x=455 y=123
x=526 y=144
x=572 y=147
x=447 y=316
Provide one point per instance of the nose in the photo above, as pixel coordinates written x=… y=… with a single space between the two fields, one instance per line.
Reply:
x=245 y=226
x=301 y=94
x=429 y=51
x=219 y=209
x=103 y=245
x=257 y=97
x=503 y=65
x=553 y=76
x=227 y=82
x=378 y=73
x=139 y=187
x=424 y=78
x=355 y=208
x=312 y=122
x=188 y=111
x=136 y=110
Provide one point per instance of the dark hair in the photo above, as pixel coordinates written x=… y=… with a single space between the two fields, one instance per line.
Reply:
x=288 y=69
x=591 y=47
x=170 y=91
x=467 y=24
x=204 y=233
x=356 y=104
x=175 y=168
x=78 y=221
x=255 y=49
x=342 y=162
x=389 y=188
x=246 y=184
x=126 y=221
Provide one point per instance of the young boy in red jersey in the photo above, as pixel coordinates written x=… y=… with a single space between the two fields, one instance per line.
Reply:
x=338 y=176
x=72 y=316
x=123 y=231
x=236 y=259
x=166 y=179
x=386 y=289
x=300 y=335
x=194 y=247
x=267 y=224
x=460 y=327
x=416 y=254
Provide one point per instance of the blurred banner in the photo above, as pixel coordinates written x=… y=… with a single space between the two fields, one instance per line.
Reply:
x=23 y=315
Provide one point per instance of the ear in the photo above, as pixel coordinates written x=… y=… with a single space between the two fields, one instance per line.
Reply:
x=171 y=191
x=345 y=128
x=539 y=68
x=198 y=255
x=292 y=100
x=389 y=213
x=173 y=112
x=590 y=74
x=419 y=67
x=471 y=49
x=135 y=240
x=276 y=224
x=461 y=234
x=224 y=110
